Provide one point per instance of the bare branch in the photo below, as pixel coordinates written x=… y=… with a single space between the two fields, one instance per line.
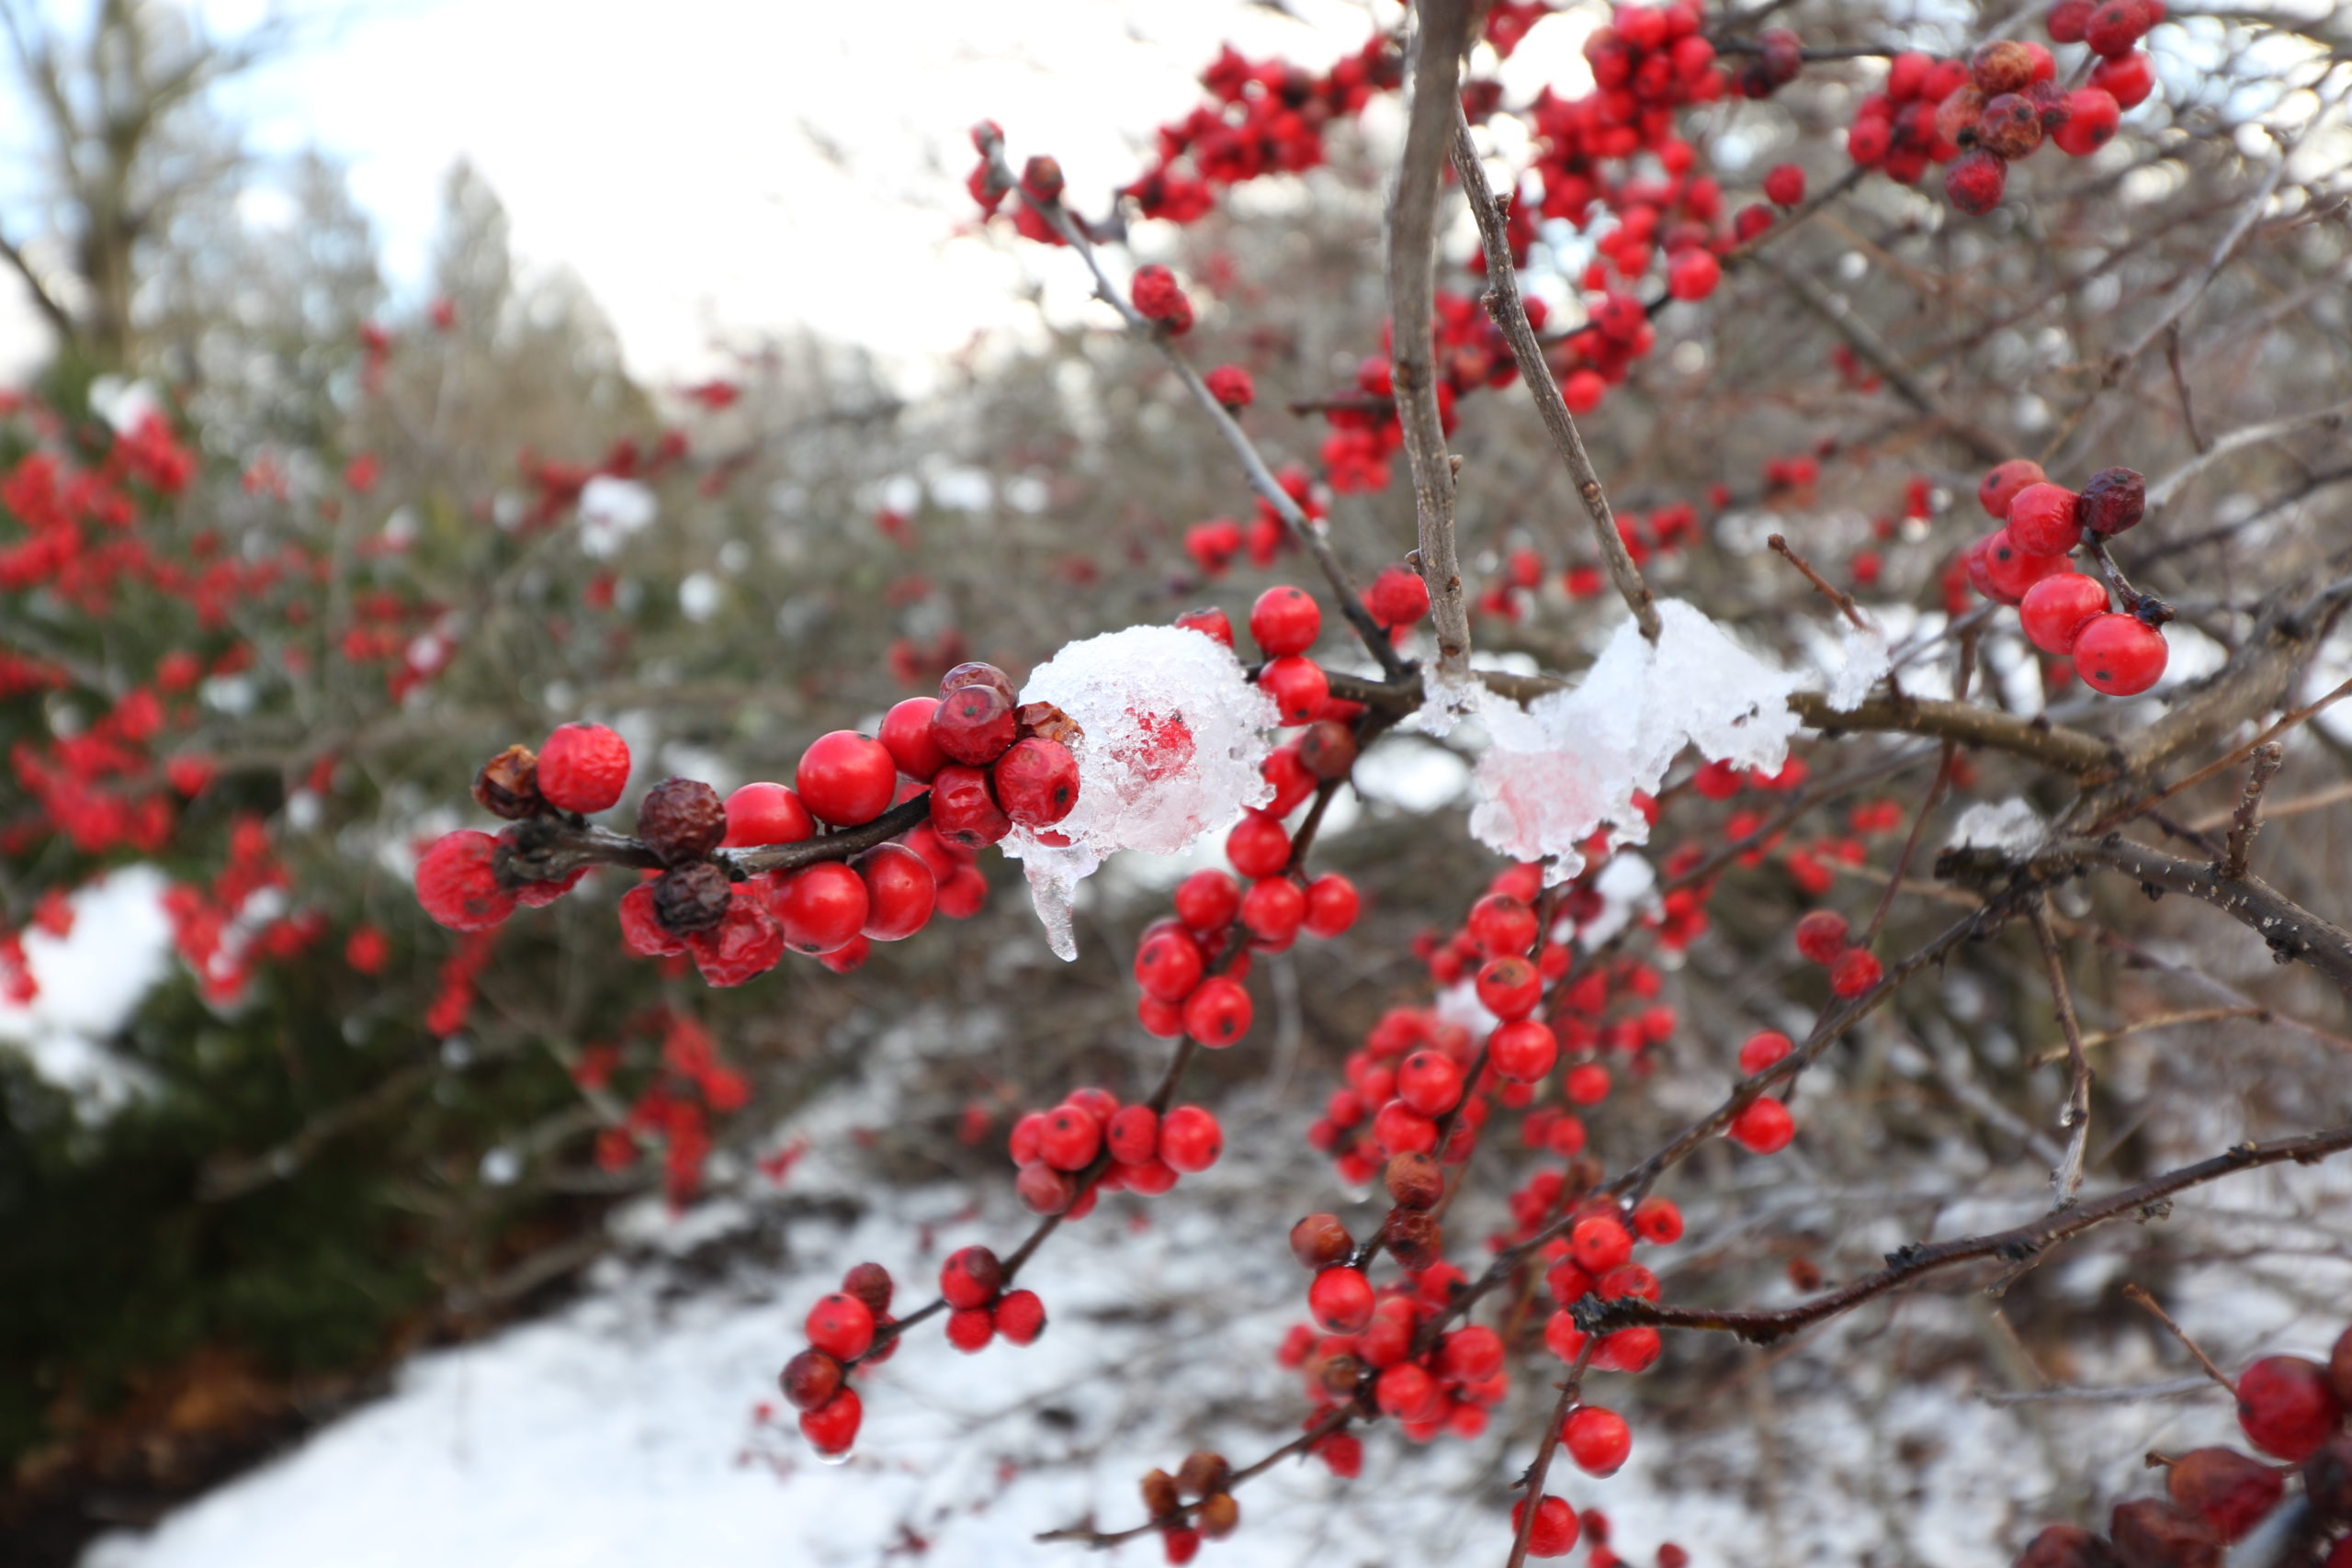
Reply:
x=2067 y=1179
x=2247 y=820
x=2292 y=931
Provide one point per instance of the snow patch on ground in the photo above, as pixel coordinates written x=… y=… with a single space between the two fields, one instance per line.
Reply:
x=91 y=981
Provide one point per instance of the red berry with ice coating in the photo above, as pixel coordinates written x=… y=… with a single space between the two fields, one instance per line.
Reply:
x=2119 y=655
x=582 y=768
x=1285 y=620
x=1035 y=782
x=456 y=884
x=845 y=778
x=964 y=809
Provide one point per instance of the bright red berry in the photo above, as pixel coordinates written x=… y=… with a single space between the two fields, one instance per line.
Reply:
x=1341 y=1300
x=1208 y=901
x=1133 y=1135
x=969 y=1329
x=2092 y=117
x=456 y=884
x=1658 y=1219
x=1209 y=623
x=971 y=1277
x=1230 y=386
x=1274 y=908
x=1332 y=903
x=1168 y=964
x=822 y=906
x=1554 y=1533
x=583 y=768
x=831 y=1427
x=1258 y=846
x=1035 y=782
x=901 y=891
x=845 y=778
x=906 y=735
x=1285 y=620
x=2126 y=78
x=1821 y=936
x=1069 y=1139
x=1297 y=685
x=1599 y=1440
x=1760 y=1051
x=1600 y=1243
x=1587 y=1084
x=1503 y=925
x=1190 y=1139
x=1523 y=1050
x=747 y=942
x=1510 y=988
x=1430 y=1082
x=1784 y=184
x=1975 y=183
x=1020 y=1317
x=840 y=1325
x=964 y=809
x=2055 y=610
x=1217 y=1013
x=1763 y=1127
x=2042 y=521
x=766 y=814
x=1855 y=970
x=2121 y=655
x=973 y=725
x=1397 y=597
x=2000 y=486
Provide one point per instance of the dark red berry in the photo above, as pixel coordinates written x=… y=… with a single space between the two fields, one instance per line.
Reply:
x=681 y=820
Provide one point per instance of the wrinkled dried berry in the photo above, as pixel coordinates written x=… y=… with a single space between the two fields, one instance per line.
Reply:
x=681 y=820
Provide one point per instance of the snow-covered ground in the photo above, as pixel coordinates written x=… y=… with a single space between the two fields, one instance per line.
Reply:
x=631 y=1426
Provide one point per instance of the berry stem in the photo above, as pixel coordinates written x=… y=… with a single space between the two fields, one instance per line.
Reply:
x=2138 y=1296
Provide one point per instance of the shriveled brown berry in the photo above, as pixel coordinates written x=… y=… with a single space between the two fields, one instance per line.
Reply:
x=508 y=784
x=692 y=898
x=2151 y=1533
x=2114 y=500
x=1203 y=1473
x=1320 y=1240
x=2229 y=1490
x=809 y=1379
x=2327 y=1477
x=1159 y=1493
x=2010 y=126
x=1219 y=1516
x=1416 y=1181
x=1414 y=1238
x=1339 y=1375
x=2066 y=1546
x=1328 y=748
x=1957 y=116
x=1048 y=722
x=2005 y=66
x=681 y=821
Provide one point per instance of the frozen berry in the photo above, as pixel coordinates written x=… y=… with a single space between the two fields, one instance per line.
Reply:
x=973 y=725
x=1035 y=782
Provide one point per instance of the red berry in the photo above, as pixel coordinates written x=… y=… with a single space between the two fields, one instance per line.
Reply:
x=906 y=735
x=969 y=1329
x=455 y=883
x=1600 y=1243
x=1208 y=901
x=1209 y=623
x=766 y=814
x=974 y=724
x=1258 y=846
x=1855 y=970
x=1168 y=964
x=1975 y=182
x=1628 y=1350
x=809 y=1380
x=1510 y=988
x=2121 y=655
x=2001 y=485
x=1470 y=1354
x=1274 y=908
x=1230 y=386
x=1341 y=1300
x=871 y=1283
x=1397 y=597
x=964 y=809
x=1217 y=1013
x=2041 y=520
x=2009 y=569
x=1430 y=1082
x=1763 y=1127
x=1658 y=1219
x=1331 y=905
x=832 y=1426
x=1761 y=1051
x=2092 y=117
x=1406 y=1392
x=1587 y=1084
x=822 y=906
x=901 y=891
x=1069 y=1138
x=2126 y=78
x=971 y=1277
x=1190 y=1139
x=1821 y=936
x=583 y=768
x=845 y=778
x=1554 y=1533
x=2057 y=608
x=1401 y=1130
x=840 y=1325
x=1297 y=685
x=2286 y=1407
x=1503 y=925
x=1692 y=272
x=1020 y=1317
x=1599 y=1440
x=1784 y=184
x=2067 y=20
x=1035 y=782
x=641 y=930
x=1133 y=1135
x=1523 y=1050
x=1285 y=620
x=2230 y=1491
x=2113 y=27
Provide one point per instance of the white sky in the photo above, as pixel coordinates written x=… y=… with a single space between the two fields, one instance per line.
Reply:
x=677 y=157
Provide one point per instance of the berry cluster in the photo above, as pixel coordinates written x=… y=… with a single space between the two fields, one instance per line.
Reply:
x=2027 y=562
x=1205 y=1480
x=1090 y=1144
x=2290 y=1408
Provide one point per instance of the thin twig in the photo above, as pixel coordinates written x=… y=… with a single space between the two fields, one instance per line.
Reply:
x=2067 y=1179
x=1530 y=1485
x=1828 y=589
x=1509 y=313
x=2141 y=1298
x=2247 y=820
